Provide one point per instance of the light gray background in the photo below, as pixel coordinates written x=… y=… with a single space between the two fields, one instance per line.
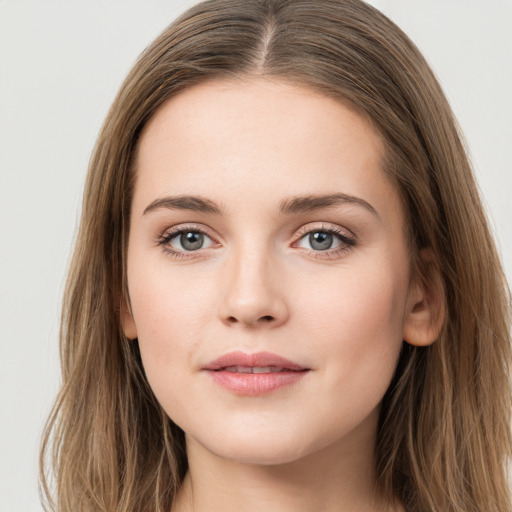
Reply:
x=61 y=63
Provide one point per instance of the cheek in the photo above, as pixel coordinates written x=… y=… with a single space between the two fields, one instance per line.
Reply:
x=165 y=327
x=171 y=313
x=356 y=301
x=358 y=326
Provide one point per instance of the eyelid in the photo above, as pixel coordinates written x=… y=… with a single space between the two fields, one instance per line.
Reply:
x=180 y=228
x=328 y=227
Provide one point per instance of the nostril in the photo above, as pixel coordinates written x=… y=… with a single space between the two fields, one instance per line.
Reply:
x=264 y=319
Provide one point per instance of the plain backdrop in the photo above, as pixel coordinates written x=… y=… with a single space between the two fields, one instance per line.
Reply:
x=61 y=63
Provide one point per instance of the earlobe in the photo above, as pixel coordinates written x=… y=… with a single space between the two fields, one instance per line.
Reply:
x=425 y=313
x=127 y=321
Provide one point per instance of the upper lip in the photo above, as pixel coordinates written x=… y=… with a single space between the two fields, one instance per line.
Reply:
x=258 y=359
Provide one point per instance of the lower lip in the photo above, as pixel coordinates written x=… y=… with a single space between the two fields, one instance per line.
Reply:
x=252 y=384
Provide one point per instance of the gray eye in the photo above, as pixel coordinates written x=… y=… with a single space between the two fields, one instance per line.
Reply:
x=191 y=241
x=320 y=240
x=188 y=241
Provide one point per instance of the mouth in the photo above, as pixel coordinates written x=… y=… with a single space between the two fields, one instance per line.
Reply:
x=254 y=374
x=254 y=369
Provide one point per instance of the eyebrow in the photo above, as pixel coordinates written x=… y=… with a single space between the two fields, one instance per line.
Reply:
x=191 y=203
x=318 y=202
x=299 y=204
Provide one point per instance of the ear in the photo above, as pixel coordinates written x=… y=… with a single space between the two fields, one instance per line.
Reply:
x=127 y=321
x=426 y=309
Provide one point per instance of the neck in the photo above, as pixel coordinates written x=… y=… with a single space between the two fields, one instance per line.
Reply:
x=335 y=478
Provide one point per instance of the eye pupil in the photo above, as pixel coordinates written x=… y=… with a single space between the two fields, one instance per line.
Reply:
x=191 y=241
x=320 y=240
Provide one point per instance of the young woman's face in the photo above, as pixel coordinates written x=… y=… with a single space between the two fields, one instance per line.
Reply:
x=268 y=270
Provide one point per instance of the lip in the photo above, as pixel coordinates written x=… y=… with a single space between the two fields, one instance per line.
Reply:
x=239 y=358
x=283 y=372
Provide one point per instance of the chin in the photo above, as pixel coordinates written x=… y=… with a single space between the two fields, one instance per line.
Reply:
x=259 y=456
x=264 y=450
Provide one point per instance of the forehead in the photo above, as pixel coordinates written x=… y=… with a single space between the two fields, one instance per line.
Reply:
x=226 y=138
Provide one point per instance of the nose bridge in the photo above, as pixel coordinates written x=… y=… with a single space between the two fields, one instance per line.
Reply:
x=253 y=295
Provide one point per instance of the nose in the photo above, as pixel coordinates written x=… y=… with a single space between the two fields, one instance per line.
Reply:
x=253 y=295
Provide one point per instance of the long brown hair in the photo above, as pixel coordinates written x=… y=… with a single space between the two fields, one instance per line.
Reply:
x=444 y=434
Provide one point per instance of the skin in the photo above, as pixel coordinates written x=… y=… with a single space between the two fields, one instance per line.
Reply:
x=258 y=284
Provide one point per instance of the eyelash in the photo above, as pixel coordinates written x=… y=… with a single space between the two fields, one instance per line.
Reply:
x=165 y=238
x=348 y=241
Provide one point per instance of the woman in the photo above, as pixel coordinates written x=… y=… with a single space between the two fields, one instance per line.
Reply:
x=284 y=292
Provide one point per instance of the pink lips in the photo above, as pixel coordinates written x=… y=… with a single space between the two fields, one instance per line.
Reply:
x=254 y=374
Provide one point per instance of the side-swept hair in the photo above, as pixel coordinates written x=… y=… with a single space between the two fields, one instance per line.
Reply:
x=444 y=434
